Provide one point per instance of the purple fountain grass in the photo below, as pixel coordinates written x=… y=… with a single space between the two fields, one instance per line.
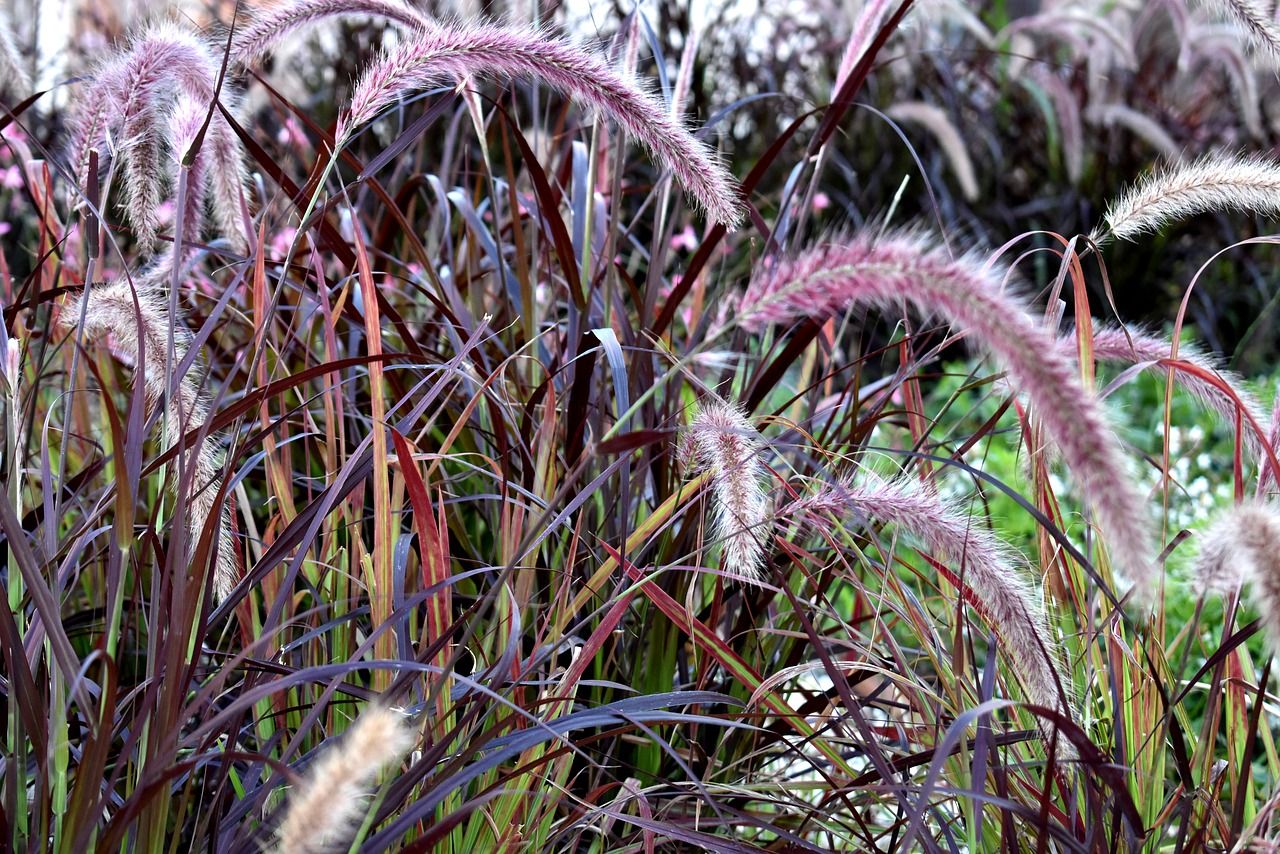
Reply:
x=466 y=51
x=1213 y=183
x=722 y=441
x=1254 y=21
x=972 y=297
x=1132 y=345
x=331 y=798
x=1266 y=478
x=865 y=27
x=277 y=23
x=684 y=75
x=141 y=330
x=989 y=569
x=13 y=71
x=935 y=121
x=1243 y=546
x=125 y=110
x=1139 y=124
x=185 y=121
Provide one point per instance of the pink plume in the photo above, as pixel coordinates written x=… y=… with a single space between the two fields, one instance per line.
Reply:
x=971 y=296
x=458 y=51
x=988 y=568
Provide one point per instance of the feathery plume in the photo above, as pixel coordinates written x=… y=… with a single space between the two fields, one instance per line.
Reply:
x=865 y=27
x=1140 y=125
x=13 y=71
x=1254 y=21
x=1132 y=345
x=1266 y=479
x=141 y=331
x=331 y=798
x=722 y=441
x=277 y=23
x=126 y=109
x=684 y=75
x=935 y=121
x=1243 y=546
x=991 y=571
x=1212 y=183
x=464 y=51
x=1066 y=107
x=1221 y=47
x=971 y=296
x=185 y=121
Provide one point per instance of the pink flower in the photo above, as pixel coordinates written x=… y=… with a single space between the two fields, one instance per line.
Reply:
x=821 y=201
x=686 y=239
x=282 y=240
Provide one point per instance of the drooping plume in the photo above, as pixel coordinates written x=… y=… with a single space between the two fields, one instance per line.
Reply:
x=1266 y=479
x=972 y=297
x=865 y=26
x=126 y=110
x=990 y=570
x=1138 y=124
x=935 y=121
x=465 y=51
x=142 y=331
x=1243 y=547
x=323 y=811
x=13 y=71
x=1255 y=21
x=1132 y=345
x=722 y=441
x=273 y=25
x=1214 y=183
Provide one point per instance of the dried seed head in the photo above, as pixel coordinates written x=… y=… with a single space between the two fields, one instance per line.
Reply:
x=324 y=808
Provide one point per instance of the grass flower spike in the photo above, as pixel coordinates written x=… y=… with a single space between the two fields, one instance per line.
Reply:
x=971 y=296
x=1214 y=183
x=279 y=22
x=462 y=51
x=722 y=441
x=1131 y=345
x=988 y=568
x=1243 y=547
x=13 y=71
x=1256 y=22
x=142 y=331
x=324 y=809
x=125 y=111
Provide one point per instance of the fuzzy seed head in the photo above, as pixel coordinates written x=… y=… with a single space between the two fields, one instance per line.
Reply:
x=1250 y=184
x=276 y=24
x=1132 y=345
x=325 y=807
x=994 y=573
x=1243 y=547
x=474 y=51
x=141 y=331
x=971 y=296
x=722 y=441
